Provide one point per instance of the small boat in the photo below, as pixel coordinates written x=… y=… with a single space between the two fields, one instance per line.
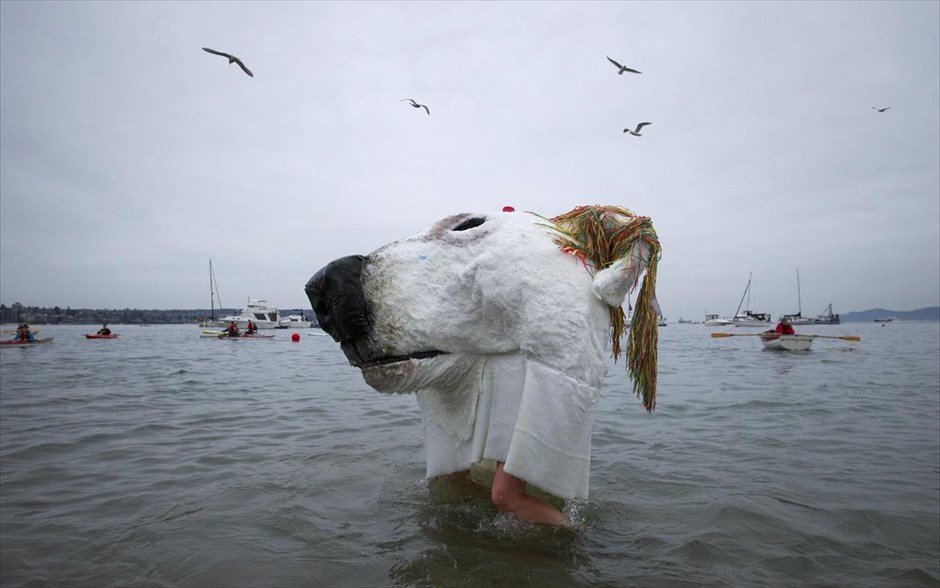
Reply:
x=885 y=320
x=778 y=342
x=211 y=333
x=97 y=336
x=211 y=321
x=295 y=321
x=714 y=320
x=749 y=318
x=827 y=318
x=797 y=318
x=18 y=343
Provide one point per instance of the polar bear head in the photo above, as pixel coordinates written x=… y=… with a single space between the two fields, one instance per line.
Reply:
x=420 y=312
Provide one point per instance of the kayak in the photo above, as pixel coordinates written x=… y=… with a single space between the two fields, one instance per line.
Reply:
x=17 y=343
x=211 y=333
x=255 y=336
x=97 y=336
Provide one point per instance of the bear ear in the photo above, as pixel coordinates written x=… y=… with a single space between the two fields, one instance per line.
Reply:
x=612 y=283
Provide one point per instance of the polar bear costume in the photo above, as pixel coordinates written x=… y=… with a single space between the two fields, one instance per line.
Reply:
x=501 y=323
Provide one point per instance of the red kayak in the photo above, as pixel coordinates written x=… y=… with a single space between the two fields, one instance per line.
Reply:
x=18 y=343
x=97 y=336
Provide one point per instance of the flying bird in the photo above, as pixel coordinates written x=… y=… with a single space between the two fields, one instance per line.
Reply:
x=231 y=59
x=416 y=105
x=622 y=68
x=880 y=109
x=636 y=132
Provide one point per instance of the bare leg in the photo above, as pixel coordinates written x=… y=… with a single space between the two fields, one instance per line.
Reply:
x=509 y=495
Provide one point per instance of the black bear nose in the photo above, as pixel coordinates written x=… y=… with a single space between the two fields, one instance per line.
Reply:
x=335 y=292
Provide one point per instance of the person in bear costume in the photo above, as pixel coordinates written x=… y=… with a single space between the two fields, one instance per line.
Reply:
x=501 y=323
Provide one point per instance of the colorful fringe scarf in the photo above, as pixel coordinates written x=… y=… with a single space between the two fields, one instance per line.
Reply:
x=599 y=236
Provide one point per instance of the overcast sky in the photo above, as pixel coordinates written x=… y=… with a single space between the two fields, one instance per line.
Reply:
x=129 y=157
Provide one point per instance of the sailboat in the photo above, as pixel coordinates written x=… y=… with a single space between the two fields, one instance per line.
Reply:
x=749 y=318
x=213 y=297
x=798 y=318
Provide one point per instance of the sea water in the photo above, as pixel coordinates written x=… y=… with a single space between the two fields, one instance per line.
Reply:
x=166 y=459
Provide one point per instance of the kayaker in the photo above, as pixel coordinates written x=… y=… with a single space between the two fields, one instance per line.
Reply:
x=784 y=327
x=232 y=330
x=104 y=330
x=251 y=327
x=24 y=334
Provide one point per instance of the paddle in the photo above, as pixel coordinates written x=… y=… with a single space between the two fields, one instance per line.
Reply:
x=844 y=338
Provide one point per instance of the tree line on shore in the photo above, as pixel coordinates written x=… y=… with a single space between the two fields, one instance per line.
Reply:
x=18 y=313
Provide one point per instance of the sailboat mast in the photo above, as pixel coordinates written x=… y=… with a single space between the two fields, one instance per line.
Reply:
x=799 y=298
x=211 y=293
x=747 y=293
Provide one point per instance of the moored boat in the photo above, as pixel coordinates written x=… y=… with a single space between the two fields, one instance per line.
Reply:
x=258 y=312
x=776 y=341
x=714 y=320
x=211 y=320
x=797 y=318
x=748 y=318
x=827 y=318
x=751 y=319
x=295 y=321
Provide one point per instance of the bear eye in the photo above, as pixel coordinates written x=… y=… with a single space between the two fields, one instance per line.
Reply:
x=470 y=223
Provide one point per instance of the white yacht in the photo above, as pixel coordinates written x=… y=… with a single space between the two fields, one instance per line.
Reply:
x=258 y=311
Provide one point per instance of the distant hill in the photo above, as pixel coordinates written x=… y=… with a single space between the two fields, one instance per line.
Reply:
x=931 y=313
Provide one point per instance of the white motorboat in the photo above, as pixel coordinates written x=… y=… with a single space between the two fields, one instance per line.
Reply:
x=778 y=342
x=295 y=321
x=714 y=320
x=258 y=312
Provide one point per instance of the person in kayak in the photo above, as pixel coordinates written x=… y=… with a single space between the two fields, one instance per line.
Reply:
x=232 y=330
x=104 y=330
x=24 y=334
x=784 y=327
x=252 y=329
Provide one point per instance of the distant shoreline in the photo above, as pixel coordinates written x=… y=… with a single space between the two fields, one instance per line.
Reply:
x=19 y=313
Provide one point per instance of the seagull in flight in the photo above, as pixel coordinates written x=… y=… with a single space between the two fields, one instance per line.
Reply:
x=416 y=105
x=880 y=109
x=636 y=132
x=622 y=68
x=231 y=59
